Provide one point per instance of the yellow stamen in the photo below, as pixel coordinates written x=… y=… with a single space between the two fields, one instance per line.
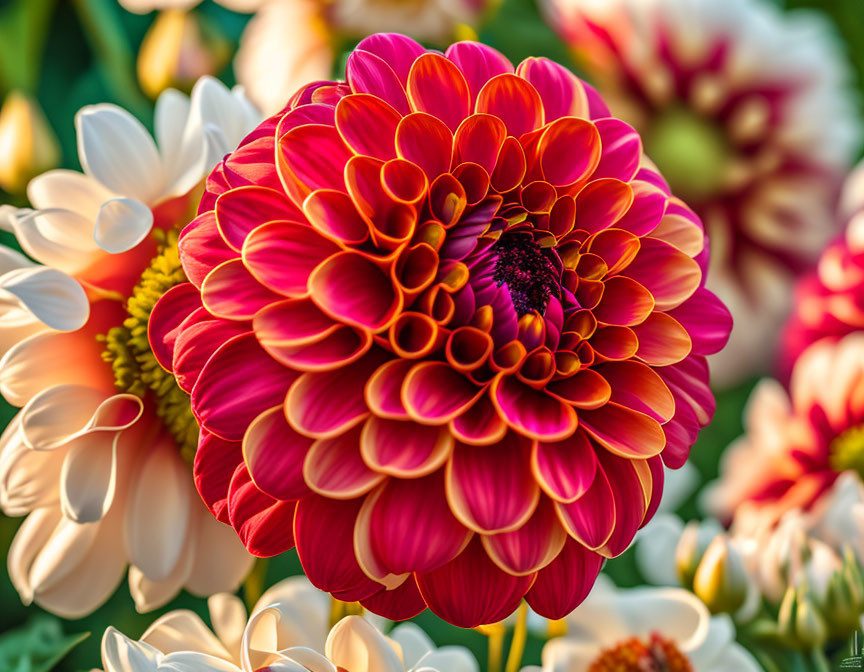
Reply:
x=847 y=451
x=517 y=644
x=495 y=634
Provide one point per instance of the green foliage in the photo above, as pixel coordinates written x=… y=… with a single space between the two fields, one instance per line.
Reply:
x=36 y=646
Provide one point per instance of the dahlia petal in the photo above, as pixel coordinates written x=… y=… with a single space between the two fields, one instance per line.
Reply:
x=532 y=413
x=658 y=476
x=681 y=228
x=282 y=255
x=630 y=502
x=397 y=50
x=399 y=604
x=590 y=519
x=354 y=290
x=311 y=157
x=670 y=275
x=404 y=449
x=616 y=247
x=565 y=582
x=252 y=163
x=383 y=389
x=425 y=141
x=490 y=488
x=564 y=469
x=341 y=347
x=615 y=343
x=662 y=340
x=367 y=124
x=170 y=310
x=511 y=166
x=625 y=302
x=436 y=86
x=262 y=523
x=586 y=389
x=602 y=203
x=478 y=63
x=433 y=393
x=478 y=140
x=640 y=388
x=707 y=321
x=569 y=151
x=229 y=291
x=334 y=468
x=480 y=425
x=622 y=150
x=404 y=517
x=324 y=531
x=530 y=547
x=623 y=431
x=368 y=73
x=216 y=460
x=514 y=101
x=241 y=210
x=196 y=343
x=560 y=90
x=238 y=383
x=471 y=590
x=291 y=322
x=649 y=204
x=324 y=404
x=202 y=249
x=333 y=214
x=403 y=181
x=273 y=453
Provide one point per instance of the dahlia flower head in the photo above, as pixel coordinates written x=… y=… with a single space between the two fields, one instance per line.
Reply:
x=443 y=327
x=796 y=444
x=749 y=111
x=95 y=456
x=829 y=301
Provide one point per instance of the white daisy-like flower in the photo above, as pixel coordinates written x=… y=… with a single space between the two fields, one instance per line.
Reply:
x=749 y=112
x=666 y=629
x=98 y=457
x=287 y=632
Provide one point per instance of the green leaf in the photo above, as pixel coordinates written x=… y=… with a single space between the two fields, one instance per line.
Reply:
x=36 y=646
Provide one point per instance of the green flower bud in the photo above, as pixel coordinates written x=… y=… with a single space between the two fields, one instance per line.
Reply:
x=721 y=580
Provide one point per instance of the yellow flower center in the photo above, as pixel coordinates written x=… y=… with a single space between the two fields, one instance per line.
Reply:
x=691 y=152
x=847 y=451
x=127 y=348
x=658 y=654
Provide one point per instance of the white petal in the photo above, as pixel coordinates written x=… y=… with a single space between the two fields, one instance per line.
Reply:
x=68 y=190
x=169 y=120
x=89 y=478
x=28 y=478
x=228 y=617
x=673 y=612
x=183 y=630
x=678 y=485
x=414 y=642
x=122 y=224
x=302 y=658
x=287 y=665
x=305 y=612
x=735 y=657
x=58 y=238
x=221 y=562
x=53 y=297
x=357 y=646
x=216 y=106
x=117 y=150
x=58 y=413
x=655 y=549
x=564 y=655
x=31 y=536
x=158 y=512
x=121 y=654
x=149 y=595
x=188 y=661
x=450 y=659
x=11 y=260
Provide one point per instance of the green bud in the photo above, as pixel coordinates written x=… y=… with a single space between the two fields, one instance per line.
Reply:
x=721 y=580
x=800 y=622
x=691 y=547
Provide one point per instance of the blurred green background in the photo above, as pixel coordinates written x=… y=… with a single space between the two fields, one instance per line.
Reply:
x=71 y=53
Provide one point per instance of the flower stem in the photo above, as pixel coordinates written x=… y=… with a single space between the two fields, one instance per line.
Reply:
x=820 y=662
x=494 y=633
x=337 y=610
x=253 y=586
x=517 y=644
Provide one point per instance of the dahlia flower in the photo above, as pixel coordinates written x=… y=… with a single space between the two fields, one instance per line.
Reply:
x=288 y=631
x=446 y=342
x=796 y=445
x=291 y=42
x=829 y=302
x=648 y=629
x=749 y=114
x=99 y=454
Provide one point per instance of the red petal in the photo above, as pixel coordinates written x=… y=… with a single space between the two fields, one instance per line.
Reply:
x=514 y=101
x=436 y=85
x=531 y=412
x=562 y=586
x=591 y=518
x=263 y=524
x=241 y=210
x=625 y=432
x=532 y=546
x=565 y=469
x=399 y=604
x=215 y=463
x=333 y=467
x=172 y=308
x=274 y=454
x=404 y=449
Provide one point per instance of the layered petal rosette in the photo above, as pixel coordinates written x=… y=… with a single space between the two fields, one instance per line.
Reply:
x=749 y=112
x=443 y=327
x=95 y=456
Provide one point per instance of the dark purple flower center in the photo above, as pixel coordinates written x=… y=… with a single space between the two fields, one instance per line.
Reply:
x=530 y=276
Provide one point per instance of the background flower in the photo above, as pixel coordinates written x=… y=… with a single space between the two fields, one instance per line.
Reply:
x=749 y=114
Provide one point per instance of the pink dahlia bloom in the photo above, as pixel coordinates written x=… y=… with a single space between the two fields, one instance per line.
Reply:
x=446 y=341
x=829 y=303
x=797 y=445
x=748 y=112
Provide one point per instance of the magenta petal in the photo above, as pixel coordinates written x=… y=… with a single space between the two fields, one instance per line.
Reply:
x=215 y=462
x=590 y=520
x=531 y=412
x=274 y=454
x=706 y=319
x=562 y=586
x=262 y=523
x=478 y=63
x=170 y=311
x=202 y=249
x=229 y=291
x=562 y=92
x=565 y=469
x=397 y=50
x=239 y=211
x=622 y=150
x=196 y=343
x=368 y=73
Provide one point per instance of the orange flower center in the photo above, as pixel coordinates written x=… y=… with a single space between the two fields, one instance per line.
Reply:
x=658 y=654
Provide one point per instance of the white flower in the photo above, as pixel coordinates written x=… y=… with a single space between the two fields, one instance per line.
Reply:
x=609 y=620
x=288 y=631
x=92 y=463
